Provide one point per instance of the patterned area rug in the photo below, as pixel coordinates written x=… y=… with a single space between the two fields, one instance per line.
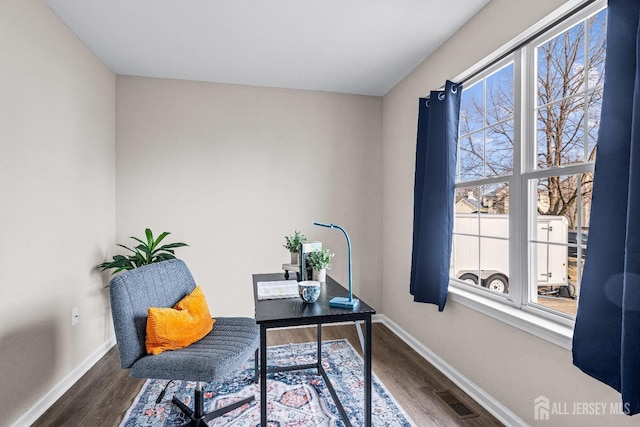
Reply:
x=295 y=398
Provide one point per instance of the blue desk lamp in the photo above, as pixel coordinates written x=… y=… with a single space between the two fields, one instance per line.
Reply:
x=343 y=302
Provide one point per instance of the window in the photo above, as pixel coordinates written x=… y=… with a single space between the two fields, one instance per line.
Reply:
x=526 y=151
x=480 y=254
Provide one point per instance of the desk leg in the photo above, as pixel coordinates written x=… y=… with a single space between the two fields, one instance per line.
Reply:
x=263 y=376
x=367 y=372
x=319 y=337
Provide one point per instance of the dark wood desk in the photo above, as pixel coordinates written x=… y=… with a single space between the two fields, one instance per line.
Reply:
x=278 y=313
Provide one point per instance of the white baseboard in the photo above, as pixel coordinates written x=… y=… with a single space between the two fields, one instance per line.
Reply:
x=496 y=408
x=61 y=388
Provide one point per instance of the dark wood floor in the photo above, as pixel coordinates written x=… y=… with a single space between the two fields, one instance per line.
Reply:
x=102 y=395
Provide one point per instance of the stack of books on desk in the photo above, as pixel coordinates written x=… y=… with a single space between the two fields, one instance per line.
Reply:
x=278 y=289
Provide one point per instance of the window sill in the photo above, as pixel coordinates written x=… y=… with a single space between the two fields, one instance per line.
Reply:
x=548 y=330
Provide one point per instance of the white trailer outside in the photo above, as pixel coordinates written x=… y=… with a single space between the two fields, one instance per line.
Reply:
x=492 y=262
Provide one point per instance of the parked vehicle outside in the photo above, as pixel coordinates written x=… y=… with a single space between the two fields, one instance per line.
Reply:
x=492 y=263
x=572 y=251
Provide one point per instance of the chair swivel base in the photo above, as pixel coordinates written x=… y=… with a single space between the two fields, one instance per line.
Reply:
x=198 y=417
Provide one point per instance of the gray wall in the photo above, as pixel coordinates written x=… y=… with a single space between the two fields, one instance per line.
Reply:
x=57 y=202
x=231 y=170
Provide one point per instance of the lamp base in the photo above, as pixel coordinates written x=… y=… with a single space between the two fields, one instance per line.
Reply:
x=343 y=302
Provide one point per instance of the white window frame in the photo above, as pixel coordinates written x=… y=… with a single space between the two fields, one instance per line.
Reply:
x=515 y=309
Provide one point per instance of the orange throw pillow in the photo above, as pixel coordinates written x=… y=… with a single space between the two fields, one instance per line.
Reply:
x=178 y=327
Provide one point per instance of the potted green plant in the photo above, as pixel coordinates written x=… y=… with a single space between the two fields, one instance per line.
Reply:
x=320 y=262
x=292 y=243
x=146 y=252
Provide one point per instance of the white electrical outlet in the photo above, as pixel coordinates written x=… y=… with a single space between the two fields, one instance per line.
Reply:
x=75 y=316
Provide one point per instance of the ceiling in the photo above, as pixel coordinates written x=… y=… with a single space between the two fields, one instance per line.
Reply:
x=349 y=46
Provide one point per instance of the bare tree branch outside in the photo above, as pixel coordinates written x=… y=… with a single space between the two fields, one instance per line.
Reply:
x=570 y=73
x=560 y=119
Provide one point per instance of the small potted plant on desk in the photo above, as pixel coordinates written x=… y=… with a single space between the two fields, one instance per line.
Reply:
x=292 y=243
x=320 y=262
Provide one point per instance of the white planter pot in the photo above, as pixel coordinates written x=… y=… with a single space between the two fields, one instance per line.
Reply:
x=320 y=276
x=295 y=258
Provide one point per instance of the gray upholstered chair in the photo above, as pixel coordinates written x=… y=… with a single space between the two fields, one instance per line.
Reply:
x=231 y=342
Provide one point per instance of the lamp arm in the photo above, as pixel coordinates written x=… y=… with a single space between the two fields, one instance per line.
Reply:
x=346 y=235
